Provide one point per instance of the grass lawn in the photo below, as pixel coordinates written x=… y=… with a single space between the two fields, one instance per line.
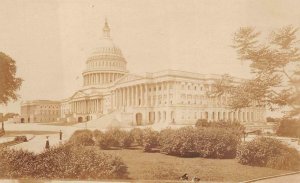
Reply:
x=155 y=166
x=15 y=133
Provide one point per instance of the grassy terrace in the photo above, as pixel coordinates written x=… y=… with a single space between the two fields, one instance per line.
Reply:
x=155 y=166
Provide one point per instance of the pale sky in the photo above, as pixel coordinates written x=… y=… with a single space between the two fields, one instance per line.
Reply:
x=51 y=40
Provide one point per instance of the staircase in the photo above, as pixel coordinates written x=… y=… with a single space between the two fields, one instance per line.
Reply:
x=106 y=121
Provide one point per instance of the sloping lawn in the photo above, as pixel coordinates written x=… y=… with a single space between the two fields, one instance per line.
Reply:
x=155 y=166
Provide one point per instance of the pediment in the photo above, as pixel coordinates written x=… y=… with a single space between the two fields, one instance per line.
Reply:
x=128 y=78
x=78 y=94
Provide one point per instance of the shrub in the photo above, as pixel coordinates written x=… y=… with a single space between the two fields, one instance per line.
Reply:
x=202 y=123
x=289 y=128
x=150 y=139
x=113 y=138
x=208 y=143
x=126 y=139
x=97 y=133
x=20 y=139
x=179 y=142
x=81 y=163
x=16 y=163
x=217 y=143
x=105 y=141
x=138 y=136
x=65 y=161
x=82 y=138
x=267 y=152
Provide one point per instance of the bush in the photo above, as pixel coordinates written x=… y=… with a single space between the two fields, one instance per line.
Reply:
x=179 y=142
x=150 y=139
x=267 y=152
x=138 y=136
x=217 y=143
x=113 y=138
x=208 y=143
x=289 y=128
x=126 y=139
x=20 y=139
x=16 y=163
x=97 y=133
x=82 y=138
x=66 y=161
x=202 y=123
x=105 y=141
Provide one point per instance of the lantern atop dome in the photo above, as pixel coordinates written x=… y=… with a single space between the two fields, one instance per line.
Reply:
x=106 y=30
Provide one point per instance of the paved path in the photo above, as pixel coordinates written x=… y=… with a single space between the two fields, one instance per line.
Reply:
x=292 y=178
x=37 y=144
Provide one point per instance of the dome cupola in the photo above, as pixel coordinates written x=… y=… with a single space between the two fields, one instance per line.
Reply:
x=106 y=63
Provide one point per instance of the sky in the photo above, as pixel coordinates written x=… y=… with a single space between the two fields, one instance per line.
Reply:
x=51 y=40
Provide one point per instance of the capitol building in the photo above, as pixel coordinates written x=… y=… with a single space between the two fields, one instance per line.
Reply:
x=111 y=92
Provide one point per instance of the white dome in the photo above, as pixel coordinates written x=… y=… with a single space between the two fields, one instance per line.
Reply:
x=106 y=63
x=107 y=47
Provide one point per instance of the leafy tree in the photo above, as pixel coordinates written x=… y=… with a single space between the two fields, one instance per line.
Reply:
x=275 y=67
x=9 y=115
x=289 y=128
x=9 y=83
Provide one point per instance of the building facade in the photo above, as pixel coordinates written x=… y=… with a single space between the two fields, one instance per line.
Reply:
x=40 y=111
x=169 y=97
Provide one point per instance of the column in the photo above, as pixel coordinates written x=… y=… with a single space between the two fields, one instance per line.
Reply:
x=117 y=98
x=168 y=93
x=136 y=95
x=112 y=99
x=141 y=96
x=151 y=95
x=121 y=97
x=126 y=96
x=96 y=106
x=155 y=96
x=146 y=93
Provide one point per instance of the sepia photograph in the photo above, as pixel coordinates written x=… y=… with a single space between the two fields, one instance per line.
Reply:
x=149 y=91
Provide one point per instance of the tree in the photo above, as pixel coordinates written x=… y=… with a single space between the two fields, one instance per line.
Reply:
x=9 y=115
x=9 y=83
x=275 y=68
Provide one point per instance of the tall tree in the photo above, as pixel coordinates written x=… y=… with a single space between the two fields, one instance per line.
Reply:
x=9 y=83
x=275 y=67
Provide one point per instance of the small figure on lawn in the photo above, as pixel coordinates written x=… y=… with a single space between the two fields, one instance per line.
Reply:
x=47 y=143
x=60 y=135
x=196 y=179
x=184 y=177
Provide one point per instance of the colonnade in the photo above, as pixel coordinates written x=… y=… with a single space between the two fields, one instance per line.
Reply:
x=87 y=106
x=141 y=95
x=243 y=115
x=100 y=78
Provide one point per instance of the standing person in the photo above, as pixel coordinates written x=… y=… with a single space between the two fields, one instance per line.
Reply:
x=60 y=135
x=47 y=143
